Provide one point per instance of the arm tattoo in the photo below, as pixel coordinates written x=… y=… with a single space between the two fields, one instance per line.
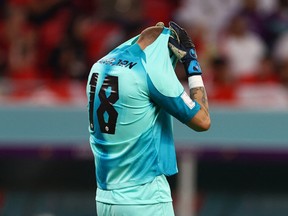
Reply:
x=199 y=94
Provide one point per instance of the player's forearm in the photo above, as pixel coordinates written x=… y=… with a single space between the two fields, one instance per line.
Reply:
x=201 y=121
x=199 y=94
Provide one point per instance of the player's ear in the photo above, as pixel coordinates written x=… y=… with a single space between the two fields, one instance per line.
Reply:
x=161 y=24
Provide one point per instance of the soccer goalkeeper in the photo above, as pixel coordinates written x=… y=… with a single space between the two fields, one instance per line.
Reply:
x=133 y=93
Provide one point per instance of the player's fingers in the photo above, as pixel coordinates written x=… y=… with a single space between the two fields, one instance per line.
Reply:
x=181 y=34
x=175 y=26
x=175 y=47
x=176 y=30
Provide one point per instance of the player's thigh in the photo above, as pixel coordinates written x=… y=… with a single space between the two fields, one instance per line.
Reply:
x=159 y=209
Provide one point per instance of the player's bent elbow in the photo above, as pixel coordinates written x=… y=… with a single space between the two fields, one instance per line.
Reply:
x=205 y=125
x=200 y=123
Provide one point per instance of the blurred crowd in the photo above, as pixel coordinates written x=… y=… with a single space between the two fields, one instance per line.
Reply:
x=47 y=47
x=243 y=47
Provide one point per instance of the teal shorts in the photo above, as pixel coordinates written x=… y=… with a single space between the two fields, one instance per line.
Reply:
x=158 y=209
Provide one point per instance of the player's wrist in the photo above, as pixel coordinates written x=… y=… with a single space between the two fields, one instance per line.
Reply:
x=195 y=81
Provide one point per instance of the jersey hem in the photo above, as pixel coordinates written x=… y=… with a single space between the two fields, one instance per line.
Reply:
x=132 y=202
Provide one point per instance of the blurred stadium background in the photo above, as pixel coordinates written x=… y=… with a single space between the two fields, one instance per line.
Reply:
x=47 y=47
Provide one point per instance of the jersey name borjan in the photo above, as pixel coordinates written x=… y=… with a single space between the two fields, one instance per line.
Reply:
x=117 y=62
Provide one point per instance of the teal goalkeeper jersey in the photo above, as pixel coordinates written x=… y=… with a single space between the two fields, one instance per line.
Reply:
x=132 y=96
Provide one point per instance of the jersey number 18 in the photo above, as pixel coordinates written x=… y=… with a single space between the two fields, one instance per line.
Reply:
x=110 y=84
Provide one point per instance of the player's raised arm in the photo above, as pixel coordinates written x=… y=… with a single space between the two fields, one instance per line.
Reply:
x=182 y=46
